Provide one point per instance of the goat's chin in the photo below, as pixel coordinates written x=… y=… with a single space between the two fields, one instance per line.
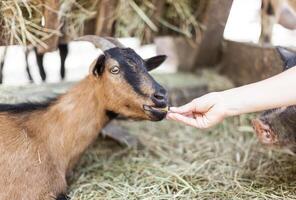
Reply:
x=156 y=115
x=156 y=119
x=151 y=115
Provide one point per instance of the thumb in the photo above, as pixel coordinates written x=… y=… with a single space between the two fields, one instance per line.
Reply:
x=199 y=105
x=189 y=107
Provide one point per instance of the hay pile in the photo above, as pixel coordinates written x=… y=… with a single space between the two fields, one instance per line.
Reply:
x=145 y=19
x=21 y=22
x=25 y=21
x=74 y=14
x=180 y=162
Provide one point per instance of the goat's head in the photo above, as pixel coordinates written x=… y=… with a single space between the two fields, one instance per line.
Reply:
x=129 y=90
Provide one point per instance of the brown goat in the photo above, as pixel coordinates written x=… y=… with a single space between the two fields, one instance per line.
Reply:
x=40 y=143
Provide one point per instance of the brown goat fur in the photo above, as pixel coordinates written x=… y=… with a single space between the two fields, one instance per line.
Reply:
x=39 y=147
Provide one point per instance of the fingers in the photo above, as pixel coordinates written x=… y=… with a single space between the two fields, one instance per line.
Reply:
x=187 y=108
x=184 y=119
x=199 y=113
x=199 y=105
x=196 y=120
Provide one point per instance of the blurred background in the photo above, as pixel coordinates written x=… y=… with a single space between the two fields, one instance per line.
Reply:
x=148 y=27
x=211 y=45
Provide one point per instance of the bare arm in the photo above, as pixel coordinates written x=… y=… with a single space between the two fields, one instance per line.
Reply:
x=212 y=108
x=274 y=92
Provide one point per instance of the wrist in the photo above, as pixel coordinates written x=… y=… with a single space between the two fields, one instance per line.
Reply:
x=231 y=104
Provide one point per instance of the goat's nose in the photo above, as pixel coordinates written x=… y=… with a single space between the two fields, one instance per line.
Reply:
x=160 y=98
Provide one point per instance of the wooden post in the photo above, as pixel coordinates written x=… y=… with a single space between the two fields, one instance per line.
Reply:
x=214 y=20
x=245 y=63
x=50 y=12
x=105 y=18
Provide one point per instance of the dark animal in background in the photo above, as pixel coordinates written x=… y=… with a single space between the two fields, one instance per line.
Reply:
x=277 y=127
x=63 y=52
x=2 y=64
x=41 y=142
x=27 y=66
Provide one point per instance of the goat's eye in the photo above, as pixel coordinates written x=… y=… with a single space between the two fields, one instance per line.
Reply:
x=114 y=70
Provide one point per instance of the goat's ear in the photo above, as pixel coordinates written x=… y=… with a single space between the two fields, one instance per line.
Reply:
x=154 y=62
x=97 y=67
x=287 y=56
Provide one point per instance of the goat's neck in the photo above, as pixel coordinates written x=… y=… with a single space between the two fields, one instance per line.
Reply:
x=74 y=122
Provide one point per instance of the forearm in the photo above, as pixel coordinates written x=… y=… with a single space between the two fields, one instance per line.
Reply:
x=274 y=92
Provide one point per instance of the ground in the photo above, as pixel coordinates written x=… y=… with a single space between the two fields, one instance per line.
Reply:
x=179 y=162
x=176 y=161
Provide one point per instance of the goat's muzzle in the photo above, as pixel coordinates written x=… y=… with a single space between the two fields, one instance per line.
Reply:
x=159 y=110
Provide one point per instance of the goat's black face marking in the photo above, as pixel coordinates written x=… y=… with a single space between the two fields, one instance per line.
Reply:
x=133 y=84
x=132 y=66
x=134 y=69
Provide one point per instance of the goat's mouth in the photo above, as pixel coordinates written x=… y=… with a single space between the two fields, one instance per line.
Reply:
x=156 y=113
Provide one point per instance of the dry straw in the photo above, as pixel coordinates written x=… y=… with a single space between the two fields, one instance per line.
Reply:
x=22 y=21
x=179 y=162
x=145 y=19
x=74 y=14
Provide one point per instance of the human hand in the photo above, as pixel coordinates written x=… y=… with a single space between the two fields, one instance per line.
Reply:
x=202 y=112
